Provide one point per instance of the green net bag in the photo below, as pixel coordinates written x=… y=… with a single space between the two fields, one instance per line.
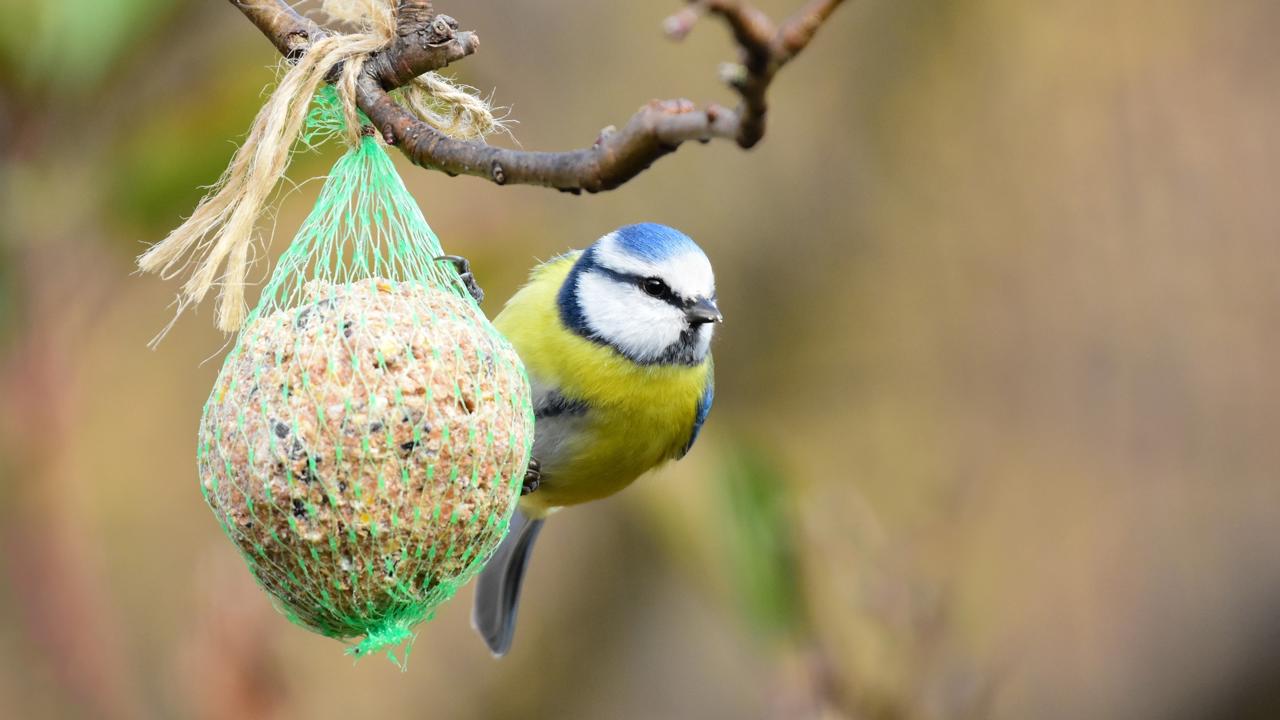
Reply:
x=367 y=437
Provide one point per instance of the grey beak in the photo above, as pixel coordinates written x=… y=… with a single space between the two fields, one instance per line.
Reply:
x=703 y=311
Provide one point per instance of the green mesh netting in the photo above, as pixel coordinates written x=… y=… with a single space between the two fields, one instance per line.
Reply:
x=367 y=437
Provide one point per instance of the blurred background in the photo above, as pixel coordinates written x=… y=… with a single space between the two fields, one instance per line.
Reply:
x=996 y=417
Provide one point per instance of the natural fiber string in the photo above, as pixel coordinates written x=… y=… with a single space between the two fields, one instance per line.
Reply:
x=454 y=109
x=221 y=229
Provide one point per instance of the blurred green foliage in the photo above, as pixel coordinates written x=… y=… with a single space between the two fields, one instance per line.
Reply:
x=165 y=161
x=760 y=540
x=71 y=45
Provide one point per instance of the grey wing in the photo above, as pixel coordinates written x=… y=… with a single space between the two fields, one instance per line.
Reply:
x=498 y=587
x=558 y=422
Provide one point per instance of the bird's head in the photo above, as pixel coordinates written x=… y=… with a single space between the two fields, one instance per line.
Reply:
x=648 y=292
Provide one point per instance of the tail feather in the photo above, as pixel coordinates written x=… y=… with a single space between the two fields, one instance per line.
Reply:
x=498 y=587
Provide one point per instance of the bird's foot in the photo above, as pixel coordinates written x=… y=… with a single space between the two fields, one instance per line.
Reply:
x=532 y=477
x=464 y=271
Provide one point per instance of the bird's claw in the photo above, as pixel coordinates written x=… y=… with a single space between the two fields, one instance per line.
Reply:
x=464 y=272
x=532 y=477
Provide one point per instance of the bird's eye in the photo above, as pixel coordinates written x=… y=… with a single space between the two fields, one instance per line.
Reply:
x=654 y=287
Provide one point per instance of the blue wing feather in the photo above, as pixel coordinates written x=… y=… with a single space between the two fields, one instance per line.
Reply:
x=704 y=409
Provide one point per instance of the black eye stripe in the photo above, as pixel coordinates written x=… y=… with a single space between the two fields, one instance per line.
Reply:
x=668 y=295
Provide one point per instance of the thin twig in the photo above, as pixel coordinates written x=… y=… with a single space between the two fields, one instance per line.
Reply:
x=427 y=41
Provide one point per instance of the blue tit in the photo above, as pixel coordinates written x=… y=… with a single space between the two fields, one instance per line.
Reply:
x=617 y=343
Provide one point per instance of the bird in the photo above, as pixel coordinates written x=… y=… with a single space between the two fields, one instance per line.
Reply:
x=616 y=341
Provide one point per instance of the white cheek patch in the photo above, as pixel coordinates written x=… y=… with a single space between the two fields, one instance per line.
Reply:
x=636 y=324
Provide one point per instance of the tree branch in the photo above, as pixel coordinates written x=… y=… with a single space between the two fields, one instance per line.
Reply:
x=427 y=41
x=290 y=32
x=423 y=42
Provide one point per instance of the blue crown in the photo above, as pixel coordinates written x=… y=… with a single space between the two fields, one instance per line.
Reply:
x=654 y=242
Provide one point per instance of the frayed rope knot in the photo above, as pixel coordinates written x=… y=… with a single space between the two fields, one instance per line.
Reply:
x=220 y=230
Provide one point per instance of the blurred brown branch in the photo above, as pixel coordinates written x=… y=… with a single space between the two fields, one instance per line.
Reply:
x=428 y=41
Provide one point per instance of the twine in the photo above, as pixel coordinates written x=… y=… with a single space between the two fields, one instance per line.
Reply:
x=221 y=229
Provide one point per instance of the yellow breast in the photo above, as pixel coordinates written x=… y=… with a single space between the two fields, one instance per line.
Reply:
x=638 y=415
